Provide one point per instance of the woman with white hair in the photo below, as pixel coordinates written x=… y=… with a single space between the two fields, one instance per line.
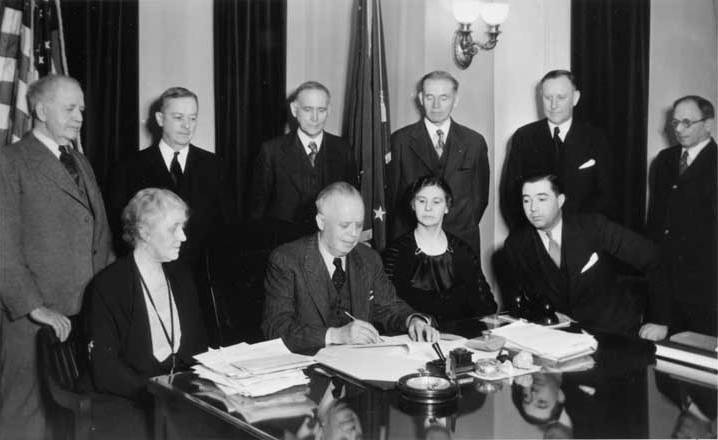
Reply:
x=143 y=315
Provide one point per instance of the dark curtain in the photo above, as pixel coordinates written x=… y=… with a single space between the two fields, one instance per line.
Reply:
x=609 y=56
x=102 y=49
x=249 y=80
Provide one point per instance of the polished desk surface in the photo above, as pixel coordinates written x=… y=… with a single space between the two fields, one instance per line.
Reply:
x=622 y=396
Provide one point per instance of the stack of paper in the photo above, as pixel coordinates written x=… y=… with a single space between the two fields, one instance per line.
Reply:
x=285 y=404
x=253 y=369
x=547 y=343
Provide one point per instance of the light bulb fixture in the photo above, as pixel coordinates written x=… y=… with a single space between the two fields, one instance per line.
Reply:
x=467 y=11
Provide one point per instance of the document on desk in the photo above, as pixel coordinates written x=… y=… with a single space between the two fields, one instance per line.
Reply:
x=388 y=361
x=253 y=369
x=552 y=344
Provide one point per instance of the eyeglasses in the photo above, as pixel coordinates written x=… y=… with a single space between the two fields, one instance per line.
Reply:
x=686 y=122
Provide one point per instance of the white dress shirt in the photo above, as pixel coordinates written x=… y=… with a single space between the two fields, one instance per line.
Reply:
x=168 y=154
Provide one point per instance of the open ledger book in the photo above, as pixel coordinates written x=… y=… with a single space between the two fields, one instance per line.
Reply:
x=389 y=360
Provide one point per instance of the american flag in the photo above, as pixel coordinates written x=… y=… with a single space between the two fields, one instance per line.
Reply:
x=367 y=115
x=31 y=46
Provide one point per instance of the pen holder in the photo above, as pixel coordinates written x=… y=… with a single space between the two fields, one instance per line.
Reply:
x=460 y=359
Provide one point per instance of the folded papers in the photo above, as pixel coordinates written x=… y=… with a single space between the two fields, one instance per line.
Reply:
x=547 y=343
x=253 y=369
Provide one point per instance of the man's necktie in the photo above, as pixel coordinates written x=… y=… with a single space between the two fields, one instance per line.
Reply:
x=339 y=276
x=69 y=164
x=683 y=163
x=176 y=169
x=554 y=250
x=312 y=152
x=439 y=142
x=558 y=144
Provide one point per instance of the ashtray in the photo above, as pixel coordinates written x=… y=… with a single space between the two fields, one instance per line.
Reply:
x=427 y=388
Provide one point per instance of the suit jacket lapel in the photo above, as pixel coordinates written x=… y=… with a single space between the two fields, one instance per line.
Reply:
x=456 y=150
x=703 y=159
x=159 y=168
x=294 y=161
x=50 y=166
x=422 y=145
x=575 y=252
x=539 y=255
x=359 y=285
x=317 y=277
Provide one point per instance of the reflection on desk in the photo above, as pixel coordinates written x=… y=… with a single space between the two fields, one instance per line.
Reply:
x=622 y=396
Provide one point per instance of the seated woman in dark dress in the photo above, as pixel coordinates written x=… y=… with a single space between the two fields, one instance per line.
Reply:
x=143 y=316
x=434 y=271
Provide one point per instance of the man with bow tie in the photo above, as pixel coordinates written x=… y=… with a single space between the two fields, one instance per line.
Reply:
x=54 y=237
x=683 y=220
x=576 y=152
x=326 y=288
x=563 y=259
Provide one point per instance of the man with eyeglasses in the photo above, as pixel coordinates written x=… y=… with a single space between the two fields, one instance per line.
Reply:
x=682 y=219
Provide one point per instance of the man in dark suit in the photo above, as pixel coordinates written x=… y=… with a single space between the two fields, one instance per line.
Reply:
x=293 y=168
x=682 y=219
x=324 y=289
x=574 y=151
x=54 y=237
x=562 y=259
x=192 y=173
x=438 y=145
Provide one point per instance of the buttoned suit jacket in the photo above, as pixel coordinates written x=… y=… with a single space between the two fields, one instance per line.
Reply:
x=202 y=190
x=118 y=325
x=593 y=297
x=683 y=220
x=586 y=170
x=282 y=185
x=297 y=294
x=466 y=171
x=54 y=236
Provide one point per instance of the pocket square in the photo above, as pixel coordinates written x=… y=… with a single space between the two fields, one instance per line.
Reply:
x=593 y=259
x=588 y=164
x=371 y=295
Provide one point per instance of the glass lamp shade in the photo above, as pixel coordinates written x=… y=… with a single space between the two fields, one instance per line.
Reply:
x=466 y=11
x=494 y=13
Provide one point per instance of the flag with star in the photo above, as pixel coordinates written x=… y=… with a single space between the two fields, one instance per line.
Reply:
x=367 y=114
x=31 y=46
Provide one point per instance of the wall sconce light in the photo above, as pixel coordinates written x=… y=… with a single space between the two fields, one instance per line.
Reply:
x=494 y=13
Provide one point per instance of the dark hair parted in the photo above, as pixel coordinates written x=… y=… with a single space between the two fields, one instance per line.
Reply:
x=559 y=73
x=145 y=208
x=704 y=105
x=43 y=88
x=556 y=184
x=517 y=396
x=431 y=180
x=174 y=93
x=309 y=85
x=439 y=74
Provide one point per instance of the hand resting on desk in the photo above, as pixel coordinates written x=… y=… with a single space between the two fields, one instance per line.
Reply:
x=420 y=330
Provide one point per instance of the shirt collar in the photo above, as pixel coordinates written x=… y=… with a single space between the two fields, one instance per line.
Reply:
x=168 y=154
x=48 y=142
x=695 y=150
x=564 y=127
x=329 y=258
x=305 y=139
x=555 y=233
x=431 y=128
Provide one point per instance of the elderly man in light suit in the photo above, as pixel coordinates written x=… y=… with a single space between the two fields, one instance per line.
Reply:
x=54 y=237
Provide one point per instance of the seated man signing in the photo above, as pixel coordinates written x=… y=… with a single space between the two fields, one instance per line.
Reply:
x=324 y=289
x=563 y=259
